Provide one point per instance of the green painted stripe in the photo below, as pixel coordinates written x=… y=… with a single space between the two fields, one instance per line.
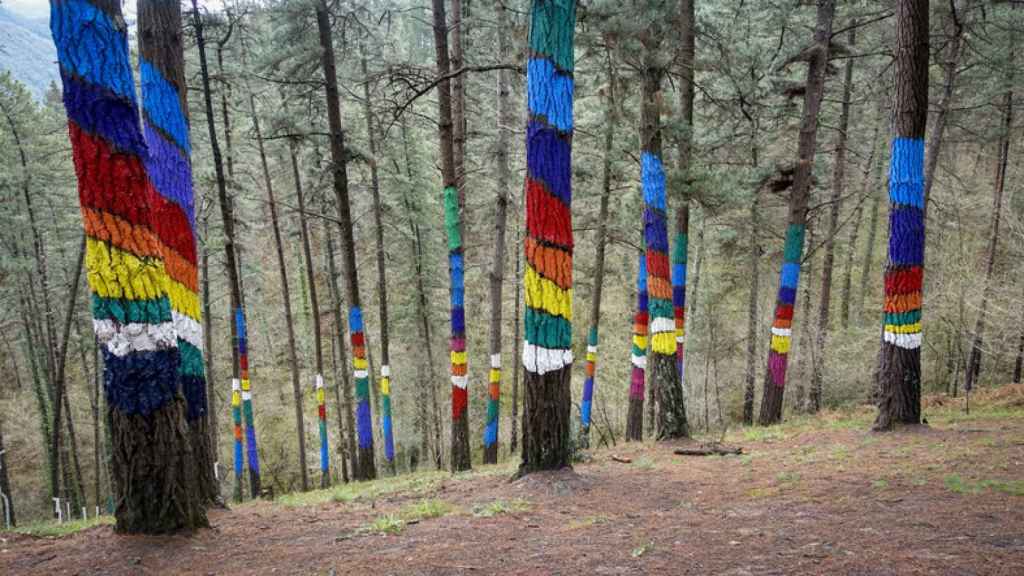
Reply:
x=552 y=29
x=451 y=218
x=593 y=336
x=191 y=359
x=547 y=331
x=362 y=388
x=131 y=311
x=638 y=351
x=794 y=243
x=903 y=318
x=679 y=250
x=660 y=308
x=492 y=410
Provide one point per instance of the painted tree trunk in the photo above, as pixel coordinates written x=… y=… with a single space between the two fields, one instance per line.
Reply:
x=130 y=226
x=366 y=469
x=778 y=356
x=454 y=203
x=230 y=258
x=818 y=356
x=349 y=434
x=663 y=374
x=547 y=350
x=610 y=120
x=497 y=277
x=638 y=356
x=687 y=23
x=974 y=360
x=899 y=374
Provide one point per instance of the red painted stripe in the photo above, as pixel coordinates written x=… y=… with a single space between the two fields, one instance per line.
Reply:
x=784 y=312
x=459 y=401
x=546 y=216
x=904 y=281
x=658 y=266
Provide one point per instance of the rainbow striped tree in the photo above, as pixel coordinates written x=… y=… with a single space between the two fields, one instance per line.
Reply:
x=138 y=241
x=638 y=356
x=547 y=351
x=899 y=374
x=166 y=129
x=778 y=356
x=664 y=367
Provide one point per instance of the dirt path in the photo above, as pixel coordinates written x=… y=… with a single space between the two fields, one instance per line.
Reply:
x=833 y=500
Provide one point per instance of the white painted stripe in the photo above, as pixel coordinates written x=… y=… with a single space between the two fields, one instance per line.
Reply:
x=496 y=361
x=592 y=349
x=235 y=384
x=542 y=360
x=246 y=395
x=319 y=381
x=122 y=339
x=188 y=329
x=659 y=325
x=385 y=371
x=906 y=341
x=460 y=381
x=361 y=374
x=782 y=331
x=681 y=339
x=638 y=361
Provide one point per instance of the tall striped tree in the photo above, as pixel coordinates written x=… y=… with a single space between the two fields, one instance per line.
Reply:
x=663 y=374
x=166 y=129
x=638 y=356
x=778 y=356
x=547 y=351
x=899 y=373
x=132 y=224
x=454 y=203
x=366 y=469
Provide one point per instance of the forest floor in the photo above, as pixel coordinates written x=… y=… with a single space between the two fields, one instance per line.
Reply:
x=812 y=496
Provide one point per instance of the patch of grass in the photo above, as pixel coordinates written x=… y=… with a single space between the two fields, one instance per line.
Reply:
x=386 y=524
x=787 y=477
x=746 y=459
x=55 y=530
x=764 y=492
x=644 y=463
x=880 y=484
x=763 y=434
x=499 y=507
x=840 y=453
x=578 y=523
x=425 y=509
x=419 y=483
x=642 y=549
x=954 y=483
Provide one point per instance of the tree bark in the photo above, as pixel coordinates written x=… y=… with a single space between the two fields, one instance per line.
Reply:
x=775 y=377
x=954 y=30
x=547 y=354
x=9 y=517
x=899 y=373
x=638 y=356
x=366 y=469
x=348 y=435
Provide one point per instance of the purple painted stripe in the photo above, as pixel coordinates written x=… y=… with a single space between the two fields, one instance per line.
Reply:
x=170 y=172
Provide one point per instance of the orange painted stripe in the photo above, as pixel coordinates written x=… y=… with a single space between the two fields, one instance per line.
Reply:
x=359 y=352
x=458 y=369
x=640 y=329
x=903 y=302
x=659 y=288
x=782 y=323
x=551 y=263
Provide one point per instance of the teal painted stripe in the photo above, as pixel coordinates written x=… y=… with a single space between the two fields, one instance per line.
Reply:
x=131 y=311
x=660 y=308
x=794 y=243
x=903 y=318
x=552 y=29
x=547 y=331
x=191 y=359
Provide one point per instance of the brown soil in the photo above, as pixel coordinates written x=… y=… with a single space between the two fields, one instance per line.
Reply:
x=824 y=500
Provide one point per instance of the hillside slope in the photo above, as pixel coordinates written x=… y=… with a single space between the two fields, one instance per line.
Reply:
x=27 y=51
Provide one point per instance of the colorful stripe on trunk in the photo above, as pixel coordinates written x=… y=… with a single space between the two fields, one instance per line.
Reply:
x=493 y=401
x=321 y=412
x=638 y=354
x=588 y=384
x=904 y=275
x=456 y=273
x=251 y=451
x=782 y=334
x=364 y=421
x=385 y=413
x=663 y=326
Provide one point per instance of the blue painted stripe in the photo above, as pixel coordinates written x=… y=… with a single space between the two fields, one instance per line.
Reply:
x=458 y=320
x=457 y=273
x=491 y=433
x=642 y=301
x=355 y=319
x=194 y=390
x=389 y=445
x=679 y=296
x=251 y=450
x=790 y=274
x=162 y=106
x=906 y=172
x=787 y=295
x=906 y=236
x=585 y=413
x=679 y=274
x=549 y=160
x=641 y=275
x=652 y=176
x=655 y=230
x=81 y=33
x=240 y=323
x=238 y=458
x=140 y=383
x=325 y=455
x=94 y=111
x=363 y=424
x=550 y=93
x=170 y=172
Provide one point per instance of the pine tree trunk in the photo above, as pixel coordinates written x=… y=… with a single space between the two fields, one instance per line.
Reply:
x=513 y=441
x=974 y=360
x=899 y=373
x=497 y=276
x=754 y=254
x=638 y=356
x=547 y=355
x=954 y=30
x=349 y=434
x=366 y=470
x=239 y=364
x=454 y=206
x=9 y=518
x=828 y=262
x=157 y=489
x=775 y=378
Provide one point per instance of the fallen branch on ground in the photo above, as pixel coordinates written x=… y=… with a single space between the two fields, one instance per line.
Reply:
x=713 y=450
x=622 y=459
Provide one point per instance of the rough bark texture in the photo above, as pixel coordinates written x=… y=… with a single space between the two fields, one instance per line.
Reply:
x=828 y=261
x=899 y=374
x=547 y=352
x=230 y=248
x=454 y=206
x=7 y=511
x=366 y=469
x=134 y=277
x=778 y=356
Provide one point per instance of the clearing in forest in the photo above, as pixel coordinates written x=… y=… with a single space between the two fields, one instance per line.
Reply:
x=811 y=496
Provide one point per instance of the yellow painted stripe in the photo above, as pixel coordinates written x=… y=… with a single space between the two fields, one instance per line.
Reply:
x=184 y=300
x=591 y=357
x=245 y=384
x=458 y=357
x=320 y=396
x=360 y=363
x=664 y=343
x=495 y=376
x=385 y=386
x=115 y=273
x=640 y=341
x=236 y=398
x=544 y=294
x=781 y=344
x=903 y=328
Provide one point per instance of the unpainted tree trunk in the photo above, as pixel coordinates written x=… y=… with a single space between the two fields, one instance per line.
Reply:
x=8 y=517
x=367 y=469
x=778 y=356
x=870 y=176
x=754 y=254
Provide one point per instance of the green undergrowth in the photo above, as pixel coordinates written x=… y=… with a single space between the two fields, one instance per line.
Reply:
x=954 y=483
x=55 y=530
x=500 y=507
